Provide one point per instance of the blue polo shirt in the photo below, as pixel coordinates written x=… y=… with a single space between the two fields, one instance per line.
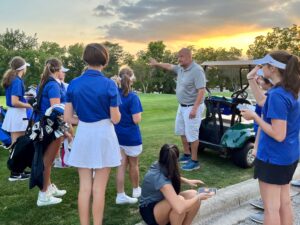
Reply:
x=51 y=89
x=63 y=90
x=16 y=88
x=258 y=110
x=127 y=131
x=280 y=104
x=92 y=94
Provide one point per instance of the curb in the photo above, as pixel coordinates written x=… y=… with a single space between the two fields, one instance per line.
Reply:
x=228 y=198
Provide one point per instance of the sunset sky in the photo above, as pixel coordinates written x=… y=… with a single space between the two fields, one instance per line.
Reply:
x=134 y=23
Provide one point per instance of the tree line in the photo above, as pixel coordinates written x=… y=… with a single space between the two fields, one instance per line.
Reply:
x=16 y=42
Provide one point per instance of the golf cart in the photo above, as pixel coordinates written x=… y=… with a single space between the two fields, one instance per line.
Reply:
x=223 y=129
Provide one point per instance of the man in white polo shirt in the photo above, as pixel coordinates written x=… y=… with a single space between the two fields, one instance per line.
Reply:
x=190 y=92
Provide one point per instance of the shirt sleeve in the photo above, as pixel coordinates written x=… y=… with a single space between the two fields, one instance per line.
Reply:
x=160 y=181
x=278 y=107
x=113 y=93
x=200 y=79
x=17 y=88
x=175 y=68
x=136 y=105
x=53 y=90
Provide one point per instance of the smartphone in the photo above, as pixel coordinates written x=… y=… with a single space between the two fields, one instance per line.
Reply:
x=207 y=190
x=245 y=106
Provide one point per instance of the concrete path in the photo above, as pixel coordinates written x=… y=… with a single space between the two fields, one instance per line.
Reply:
x=231 y=205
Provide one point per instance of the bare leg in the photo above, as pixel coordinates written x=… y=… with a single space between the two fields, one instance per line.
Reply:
x=286 y=211
x=186 y=146
x=48 y=158
x=99 y=188
x=194 y=147
x=15 y=135
x=270 y=194
x=164 y=214
x=84 y=195
x=121 y=173
x=193 y=210
x=134 y=173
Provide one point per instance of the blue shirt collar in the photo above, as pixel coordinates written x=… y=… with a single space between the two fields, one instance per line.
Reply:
x=18 y=77
x=90 y=72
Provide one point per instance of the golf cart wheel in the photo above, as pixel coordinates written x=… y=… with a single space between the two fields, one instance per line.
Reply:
x=243 y=157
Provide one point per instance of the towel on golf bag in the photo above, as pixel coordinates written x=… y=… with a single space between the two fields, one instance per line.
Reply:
x=50 y=127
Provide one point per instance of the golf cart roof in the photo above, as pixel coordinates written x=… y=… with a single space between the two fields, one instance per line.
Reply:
x=231 y=63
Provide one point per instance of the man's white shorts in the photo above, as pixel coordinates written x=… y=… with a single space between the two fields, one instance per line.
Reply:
x=184 y=126
x=132 y=151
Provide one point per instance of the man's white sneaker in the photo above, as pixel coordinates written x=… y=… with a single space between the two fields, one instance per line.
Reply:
x=136 y=192
x=55 y=192
x=125 y=199
x=45 y=199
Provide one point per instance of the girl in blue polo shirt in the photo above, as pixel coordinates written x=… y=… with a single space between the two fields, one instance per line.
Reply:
x=95 y=99
x=278 y=145
x=129 y=136
x=15 y=120
x=51 y=94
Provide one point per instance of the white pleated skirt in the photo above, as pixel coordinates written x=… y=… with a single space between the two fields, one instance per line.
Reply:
x=95 y=146
x=15 y=120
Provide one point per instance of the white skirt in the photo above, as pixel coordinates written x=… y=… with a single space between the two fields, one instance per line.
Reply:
x=95 y=146
x=132 y=151
x=15 y=120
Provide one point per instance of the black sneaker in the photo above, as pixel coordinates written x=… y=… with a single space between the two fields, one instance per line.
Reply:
x=18 y=176
x=27 y=172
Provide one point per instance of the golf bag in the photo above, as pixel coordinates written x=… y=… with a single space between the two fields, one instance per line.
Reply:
x=50 y=127
x=4 y=135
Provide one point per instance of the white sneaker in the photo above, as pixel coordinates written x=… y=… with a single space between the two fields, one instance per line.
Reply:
x=57 y=163
x=45 y=199
x=55 y=192
x=136 y=192
x=125 y=199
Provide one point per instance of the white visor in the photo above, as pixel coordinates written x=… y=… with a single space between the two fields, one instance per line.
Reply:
x=269 y=60
x=23 y=67
x=63 y=69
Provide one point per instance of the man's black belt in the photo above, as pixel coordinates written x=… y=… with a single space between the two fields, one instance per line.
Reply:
x=183 y=105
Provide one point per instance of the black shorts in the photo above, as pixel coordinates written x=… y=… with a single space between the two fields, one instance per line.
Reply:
x=274 y=174
x=147 y=213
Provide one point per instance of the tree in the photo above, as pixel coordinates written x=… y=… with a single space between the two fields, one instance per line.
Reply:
x=52 y=49
x=160 y=80
x=142 y=72
x=280 y=38
x=73 y=61
x=215 y=76
x=115 y=58
x=17 y=40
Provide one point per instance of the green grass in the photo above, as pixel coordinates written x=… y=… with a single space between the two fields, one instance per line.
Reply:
x=18 y=203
